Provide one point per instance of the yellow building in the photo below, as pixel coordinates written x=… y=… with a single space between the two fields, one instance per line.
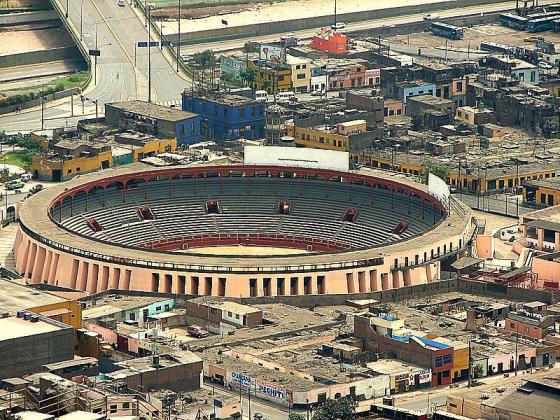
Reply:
x=65 y=311
x=272 y=79
x=475 y=178
x=544 y=192
x=317 y=138
x=69 y=158
x=474 y=116
x=301 y=73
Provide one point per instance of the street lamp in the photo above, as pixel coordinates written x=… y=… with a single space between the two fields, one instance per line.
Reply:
x=81 y=20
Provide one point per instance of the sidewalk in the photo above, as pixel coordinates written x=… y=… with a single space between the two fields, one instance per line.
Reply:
x=7 y=237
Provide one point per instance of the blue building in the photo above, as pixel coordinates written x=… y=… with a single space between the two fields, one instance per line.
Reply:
x=227 y=117
x=155 y=119
x=405 y=89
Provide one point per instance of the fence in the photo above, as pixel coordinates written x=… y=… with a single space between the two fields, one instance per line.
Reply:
x=503 y=204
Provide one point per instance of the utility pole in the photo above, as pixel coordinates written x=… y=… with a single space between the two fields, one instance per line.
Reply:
x=249 y=392
x=66 y=9
x=81 y=20
x=179 y=37
x=516 y=345
x=96 y=108
x=149 y=56
x=469 y=383
x=72 y=103
x=335 y=14
x=95 y=59
x=42 y=111
x=478 y=189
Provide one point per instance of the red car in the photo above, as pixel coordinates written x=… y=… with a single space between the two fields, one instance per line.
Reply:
x=196 y=331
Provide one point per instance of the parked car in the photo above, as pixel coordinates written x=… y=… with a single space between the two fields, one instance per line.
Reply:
x=197 y=332
x=320 y=92
x=25 y=177
x=121 y=3
x=431 y=16
x=545 y=65
x=338 y=25
x=287 y=36
x=14 y=185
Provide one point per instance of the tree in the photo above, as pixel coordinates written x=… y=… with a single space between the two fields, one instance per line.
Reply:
x=340 y=409
x=438 y=169
x=205 y=60
x=296 y=416
x=251 y=47
x=248 y=76
x=266 y=84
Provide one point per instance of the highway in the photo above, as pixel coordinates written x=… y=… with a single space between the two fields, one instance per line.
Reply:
x=117 y=30
x=353 y=28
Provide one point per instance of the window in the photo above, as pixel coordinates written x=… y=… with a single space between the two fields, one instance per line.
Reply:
x=167 y=307
x=236 y=316
x=459 y=86
x=298 y=67
x=132 y=316
x=229 y=314
x=447 y=358
x=126 y=405
x=158 y=308
x=300 y=76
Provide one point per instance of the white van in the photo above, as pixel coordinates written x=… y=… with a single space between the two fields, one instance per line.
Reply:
x=261 y=96
x=285 y=97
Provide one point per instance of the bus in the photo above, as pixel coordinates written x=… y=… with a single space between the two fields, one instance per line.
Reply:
x=493 y=47
x=447 y=31
x=542 y=24
x=513 y=21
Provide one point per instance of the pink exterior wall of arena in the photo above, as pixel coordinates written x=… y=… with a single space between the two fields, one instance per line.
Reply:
x=45 y=254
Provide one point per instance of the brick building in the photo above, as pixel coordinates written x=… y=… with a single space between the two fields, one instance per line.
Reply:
x=222 y=311
x=424 y=352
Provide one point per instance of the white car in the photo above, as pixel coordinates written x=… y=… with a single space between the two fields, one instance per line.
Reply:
x=288 y=36
x=338 y=25
x=431 y=16
x=545 y=65
x=318 y=92
x=121 y=3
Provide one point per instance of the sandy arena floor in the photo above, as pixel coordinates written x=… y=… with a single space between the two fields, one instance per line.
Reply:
x=246 y=250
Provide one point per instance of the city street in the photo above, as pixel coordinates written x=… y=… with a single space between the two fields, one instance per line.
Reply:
x=118 y=78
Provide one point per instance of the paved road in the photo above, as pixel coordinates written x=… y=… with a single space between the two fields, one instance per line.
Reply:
x=118 y=30
x=267 y=409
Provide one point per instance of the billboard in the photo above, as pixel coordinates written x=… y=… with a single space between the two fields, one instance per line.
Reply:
x=439 y=189
x=299 y=157
x=272 y=53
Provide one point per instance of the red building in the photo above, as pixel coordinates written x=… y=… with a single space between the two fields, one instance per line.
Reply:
x=330 y=42
x=421 y=351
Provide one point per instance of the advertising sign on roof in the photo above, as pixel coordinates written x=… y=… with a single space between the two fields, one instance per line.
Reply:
x=299 y=157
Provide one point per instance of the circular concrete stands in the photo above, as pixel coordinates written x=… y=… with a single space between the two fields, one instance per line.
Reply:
x=317 y=231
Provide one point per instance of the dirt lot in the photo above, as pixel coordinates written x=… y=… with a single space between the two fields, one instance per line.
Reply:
x=281 y=10
x=474 y=36
x=14 y=42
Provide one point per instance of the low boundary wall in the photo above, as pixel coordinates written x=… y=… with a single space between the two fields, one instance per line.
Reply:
x=266 y=28
x=43 y=56
x=394 y=295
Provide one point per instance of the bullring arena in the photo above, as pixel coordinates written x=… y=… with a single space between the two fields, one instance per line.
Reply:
x=316 y=231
